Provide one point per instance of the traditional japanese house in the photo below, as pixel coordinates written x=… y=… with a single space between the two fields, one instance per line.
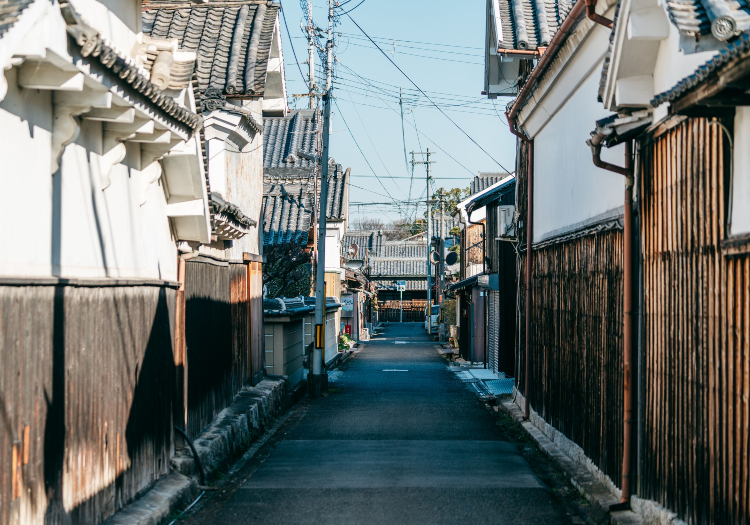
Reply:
x=634 y=325
x=99 y=128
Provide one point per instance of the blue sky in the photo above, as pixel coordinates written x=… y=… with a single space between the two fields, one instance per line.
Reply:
x=452 y=35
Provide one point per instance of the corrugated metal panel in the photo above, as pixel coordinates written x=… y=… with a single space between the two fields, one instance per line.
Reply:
x=493 y=326
x=697 y=331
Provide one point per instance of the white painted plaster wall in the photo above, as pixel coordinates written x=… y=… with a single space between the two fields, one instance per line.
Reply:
x=672 y=65
x=118 y=20
x=741 y=176
x=568 y=188
x=64 y=225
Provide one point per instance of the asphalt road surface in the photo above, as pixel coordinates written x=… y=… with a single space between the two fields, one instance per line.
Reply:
x=398 y=440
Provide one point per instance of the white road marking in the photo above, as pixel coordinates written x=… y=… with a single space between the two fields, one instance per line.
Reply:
x=393 y=370
x=402 y=342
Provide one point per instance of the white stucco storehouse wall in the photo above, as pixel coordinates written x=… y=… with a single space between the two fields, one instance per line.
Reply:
x=569 y=190
x=65 y=225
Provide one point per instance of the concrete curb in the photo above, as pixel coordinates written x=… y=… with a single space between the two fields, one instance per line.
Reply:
x=579 y=476
x=228 y=436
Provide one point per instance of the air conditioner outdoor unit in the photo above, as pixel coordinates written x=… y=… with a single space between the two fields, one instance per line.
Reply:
x=506 y=228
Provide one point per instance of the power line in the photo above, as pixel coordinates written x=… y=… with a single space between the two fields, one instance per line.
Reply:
x=424 y=56
x=292 y=45
x=368 y=136
x=363 y=154
x=412 y=41
x=425 y=94
x=414 y=126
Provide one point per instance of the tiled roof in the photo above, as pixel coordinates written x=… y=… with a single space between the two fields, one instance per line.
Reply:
x=411 y=284
x=400 y=267
x=529 y=24
x=232 y=40
x=284 y=137
x=288 y=200
x=10 y=10
x=400 y=250
x=485 y=180
x=94 y=47
x=338 y=192
x=692 y=18
x=608 y=56
x=287 y=207
x=738 y=49
x=367 y=241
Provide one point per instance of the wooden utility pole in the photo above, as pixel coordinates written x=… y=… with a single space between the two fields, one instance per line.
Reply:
x=315 y=380
x=429 y=232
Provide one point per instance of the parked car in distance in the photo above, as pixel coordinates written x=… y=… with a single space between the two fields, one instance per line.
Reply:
x=435 y=315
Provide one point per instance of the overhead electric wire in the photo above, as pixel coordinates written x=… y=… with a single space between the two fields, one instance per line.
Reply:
x=370 y=139
x=411 y=41
x=425 y=94
x=292 y=45
x=415 y=128
x=352 y=9
x=363 y=155
x=423 y=56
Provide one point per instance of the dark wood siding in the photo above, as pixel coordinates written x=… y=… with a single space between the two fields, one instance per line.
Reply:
x=86 y=393
x=576 y=378
x=208 y=333
x=696 y=451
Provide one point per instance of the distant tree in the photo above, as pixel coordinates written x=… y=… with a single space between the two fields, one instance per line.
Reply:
x=369 y=223
x=287 y=271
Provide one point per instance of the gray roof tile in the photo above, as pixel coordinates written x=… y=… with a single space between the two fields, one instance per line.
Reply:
x=692 y=19
x=739 y=49
x=232 y=40
x=10 y=10
x=287 y=207
x=526 y=26
x=485 y=180
x=283 y=137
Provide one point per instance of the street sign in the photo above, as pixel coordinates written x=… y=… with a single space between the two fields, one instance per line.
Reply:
x=401 y=286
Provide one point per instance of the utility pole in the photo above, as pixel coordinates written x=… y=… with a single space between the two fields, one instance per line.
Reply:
x=329 y=48
x=315 y=380
x=441 y=266
x=429 y=234
x=311 y=53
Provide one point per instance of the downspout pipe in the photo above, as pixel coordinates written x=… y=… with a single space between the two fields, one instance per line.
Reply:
x=596 y=145
x=529 y=254
x=596 y=18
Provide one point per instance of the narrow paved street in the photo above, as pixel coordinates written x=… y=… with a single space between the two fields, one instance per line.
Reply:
x=398 y=440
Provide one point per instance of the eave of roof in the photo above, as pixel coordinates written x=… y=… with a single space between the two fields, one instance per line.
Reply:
x=94 y=47
x=737 y=50
x=233 y=40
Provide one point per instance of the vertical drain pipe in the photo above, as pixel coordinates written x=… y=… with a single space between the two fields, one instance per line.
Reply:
x=529 y=253
x=627 y=330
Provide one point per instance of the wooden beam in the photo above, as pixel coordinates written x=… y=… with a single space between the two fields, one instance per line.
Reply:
x=43 y=75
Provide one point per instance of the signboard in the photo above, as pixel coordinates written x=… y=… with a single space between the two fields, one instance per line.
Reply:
x=401 y=286
x=347 y=305
x=348 y=330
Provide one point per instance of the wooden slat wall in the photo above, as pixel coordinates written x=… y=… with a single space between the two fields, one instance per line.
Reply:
x=576 y=378
x=697 y=331
x=86 y=393
x=257 y=339
x=238 y=274
x=208 y=333
x=413 y=309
